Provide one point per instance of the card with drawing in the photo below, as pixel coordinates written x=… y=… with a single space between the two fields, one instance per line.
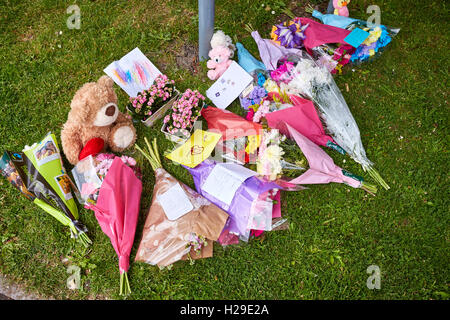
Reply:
x=134 y=72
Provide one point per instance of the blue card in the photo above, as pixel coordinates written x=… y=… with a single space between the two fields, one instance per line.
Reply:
x=356 y=37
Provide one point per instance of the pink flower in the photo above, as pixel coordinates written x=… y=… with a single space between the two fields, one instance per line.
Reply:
x=250 y=115
x=283 y=72
x=104 y=156
x=131 y=161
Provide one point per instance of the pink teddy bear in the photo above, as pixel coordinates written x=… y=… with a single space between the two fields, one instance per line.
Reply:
x=340 y=7
x=219 y=62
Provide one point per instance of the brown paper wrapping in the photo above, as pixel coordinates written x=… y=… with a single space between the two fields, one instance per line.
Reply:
x=164 y=241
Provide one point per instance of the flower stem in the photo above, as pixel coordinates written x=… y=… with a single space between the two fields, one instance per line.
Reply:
x=309 y=9
x=124 y=284
x=84 y=239
x=152 y=155
x=121 y=284
x=370 y=188
x=376 y=176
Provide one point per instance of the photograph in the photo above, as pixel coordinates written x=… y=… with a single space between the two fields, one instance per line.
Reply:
x=46 y=152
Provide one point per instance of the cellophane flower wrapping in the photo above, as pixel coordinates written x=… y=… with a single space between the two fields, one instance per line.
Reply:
x=239 y=136
x=262 y=211
x=317 y=84
x=90 y=172
x=166 y=241
x=250 y=206
x=117 y=208
x=39 y=174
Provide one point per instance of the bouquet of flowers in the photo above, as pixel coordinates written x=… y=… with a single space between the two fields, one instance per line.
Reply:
x=38 y=173
x=333 y=57
x=184 y=113
x=151 y=100
x=240 y=137
x=271 y=163
x=285 y=67
x=275 y=101
x=289 y=34
x=115 y=199
x=90 y=172
x=282 y=104
x=315 y=34
x=254 y=97
x=255 y=92
x=181 y=224
x=317 y=84
x=380 y=36
x=279 y=156
x=247 y=198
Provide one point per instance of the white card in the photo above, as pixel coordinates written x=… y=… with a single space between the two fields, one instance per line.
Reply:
x=224 y=180
x=175 y=202
x=229 y=86
x=133 y=73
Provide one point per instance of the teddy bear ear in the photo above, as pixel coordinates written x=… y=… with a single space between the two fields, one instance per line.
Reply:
x=106 y=81
x=78 y=107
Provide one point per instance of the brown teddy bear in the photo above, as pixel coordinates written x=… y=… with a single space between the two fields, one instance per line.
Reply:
x=94 y=122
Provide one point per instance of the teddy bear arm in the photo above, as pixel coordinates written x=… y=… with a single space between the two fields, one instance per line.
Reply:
x=211 y=64
x=71 y=143
x=212 y=74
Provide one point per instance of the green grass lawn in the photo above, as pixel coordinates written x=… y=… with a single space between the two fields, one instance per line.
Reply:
x=400 y=102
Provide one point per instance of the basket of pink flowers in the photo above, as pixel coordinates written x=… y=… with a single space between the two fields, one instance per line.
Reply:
x=178 y=124
x=150 y=105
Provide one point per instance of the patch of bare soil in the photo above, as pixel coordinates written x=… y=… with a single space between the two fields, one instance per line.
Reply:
x=298 y=9
x=187 y=57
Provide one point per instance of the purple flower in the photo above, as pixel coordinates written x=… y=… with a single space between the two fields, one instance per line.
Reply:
x=291 y=36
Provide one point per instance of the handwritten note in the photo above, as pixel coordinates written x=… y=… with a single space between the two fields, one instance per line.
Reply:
x=224 y=180
x=175 y=202
x=229 y=86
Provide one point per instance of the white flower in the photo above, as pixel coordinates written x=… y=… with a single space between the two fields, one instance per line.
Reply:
x=271 y=135
x=284 y=87
x=273 y=153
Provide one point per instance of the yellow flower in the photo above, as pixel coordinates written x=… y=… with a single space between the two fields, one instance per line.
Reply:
x=270 y=86
x=253 y=143
x=375 y=34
